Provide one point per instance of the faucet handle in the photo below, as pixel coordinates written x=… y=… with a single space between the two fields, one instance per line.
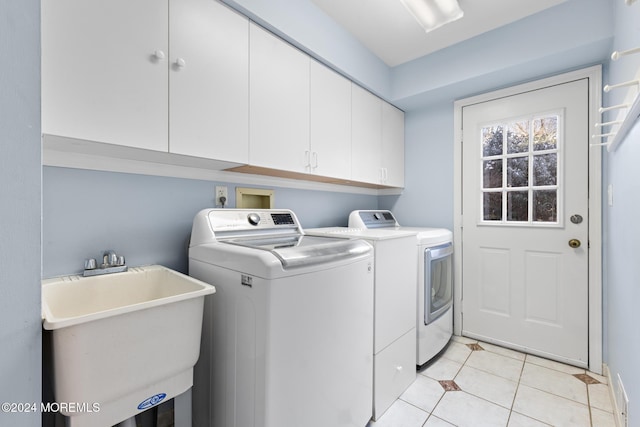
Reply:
x=90 y=264
x=110 y=258
x=120 y=261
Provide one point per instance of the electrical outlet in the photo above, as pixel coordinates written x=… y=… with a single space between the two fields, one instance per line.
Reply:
x=222 y=197
x=622 y=401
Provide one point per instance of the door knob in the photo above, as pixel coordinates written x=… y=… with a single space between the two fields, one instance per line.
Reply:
x=574 y=243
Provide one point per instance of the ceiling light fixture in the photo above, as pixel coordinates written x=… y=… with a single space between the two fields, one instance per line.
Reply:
x=432 y=14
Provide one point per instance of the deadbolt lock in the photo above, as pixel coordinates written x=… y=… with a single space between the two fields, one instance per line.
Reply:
x=576 y=219
x=574 y=243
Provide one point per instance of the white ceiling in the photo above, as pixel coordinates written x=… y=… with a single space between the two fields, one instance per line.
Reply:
x=387 y=29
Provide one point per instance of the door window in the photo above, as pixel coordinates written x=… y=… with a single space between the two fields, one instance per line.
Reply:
x=520 y=177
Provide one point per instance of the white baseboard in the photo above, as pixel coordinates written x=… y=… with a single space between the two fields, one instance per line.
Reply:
x=617 y=413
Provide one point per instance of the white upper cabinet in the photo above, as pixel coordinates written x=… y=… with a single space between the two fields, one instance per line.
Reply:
x=104 y=71
x=279 y=103
x=377 y=145
x=209 y=81
x=366 y=140
x=184 y=80
x=166 y=76
x=330 y=148
x=392 y=161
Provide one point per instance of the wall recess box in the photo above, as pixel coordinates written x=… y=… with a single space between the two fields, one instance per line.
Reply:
x=256 y=198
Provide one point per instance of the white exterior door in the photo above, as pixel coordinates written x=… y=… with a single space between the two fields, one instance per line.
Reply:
x=525 y=227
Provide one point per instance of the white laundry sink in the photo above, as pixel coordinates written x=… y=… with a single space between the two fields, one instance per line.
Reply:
x=122 y=342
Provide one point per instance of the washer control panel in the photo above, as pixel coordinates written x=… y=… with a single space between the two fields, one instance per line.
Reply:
x=212 y=225
x=270 y=219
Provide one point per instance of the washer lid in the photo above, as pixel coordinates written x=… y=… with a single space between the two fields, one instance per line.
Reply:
x=299 y=251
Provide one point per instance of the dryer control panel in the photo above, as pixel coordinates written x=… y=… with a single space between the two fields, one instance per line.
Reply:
x=372 y=219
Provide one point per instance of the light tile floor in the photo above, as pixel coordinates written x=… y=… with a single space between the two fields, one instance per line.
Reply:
x=487 y=385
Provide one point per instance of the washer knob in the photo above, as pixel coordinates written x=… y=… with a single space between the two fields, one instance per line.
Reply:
x=253 y=218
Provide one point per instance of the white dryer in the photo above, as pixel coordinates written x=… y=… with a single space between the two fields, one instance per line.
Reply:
x=287 y=340
x=394 y=325
x=434 y=279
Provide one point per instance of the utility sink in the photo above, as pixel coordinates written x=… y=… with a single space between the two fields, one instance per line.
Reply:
x=123 y=342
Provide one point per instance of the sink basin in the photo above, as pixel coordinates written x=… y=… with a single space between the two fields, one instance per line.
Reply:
x=122 y=342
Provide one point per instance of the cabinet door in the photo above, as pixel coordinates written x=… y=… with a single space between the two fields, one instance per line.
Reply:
x=208 y=81
x=330 y=131
x=104 y=71
x=279 y=103
x=392 y=146
x=366 y=141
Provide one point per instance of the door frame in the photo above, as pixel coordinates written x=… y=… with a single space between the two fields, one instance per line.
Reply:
x=594 y=74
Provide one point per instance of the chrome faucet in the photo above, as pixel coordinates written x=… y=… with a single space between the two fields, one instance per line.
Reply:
x=111 y=263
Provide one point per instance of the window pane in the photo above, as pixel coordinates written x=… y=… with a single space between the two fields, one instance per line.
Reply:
x=491 y=141
x=518 y=206
x=545 y=206
x=492 y=173
x=545 y=133
x=518 y=172
x=518 y=137
x=545 y=169
x=492 y=206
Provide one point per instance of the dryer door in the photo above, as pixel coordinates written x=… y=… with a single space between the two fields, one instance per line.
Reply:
x=438 y=281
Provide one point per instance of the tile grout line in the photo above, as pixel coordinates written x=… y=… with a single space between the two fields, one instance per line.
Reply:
x=589 y=404
x=445 y=392
x=524 y=361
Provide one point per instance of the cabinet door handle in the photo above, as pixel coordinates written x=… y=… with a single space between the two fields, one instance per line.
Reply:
x=180 y=63
x=158 y=55
x=315 y=160
x=383 y=175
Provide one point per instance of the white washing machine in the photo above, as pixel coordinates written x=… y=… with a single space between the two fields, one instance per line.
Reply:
x=287 y=340
x=394 y=330
x=434 y=279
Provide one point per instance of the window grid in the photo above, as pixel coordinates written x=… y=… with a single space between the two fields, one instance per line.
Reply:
x=532 y=190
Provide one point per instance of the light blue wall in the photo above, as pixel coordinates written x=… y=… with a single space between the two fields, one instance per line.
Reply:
x=20 y=190
x=427 y=199
x=573 y=34
x=622 y=226
x=148 y=218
